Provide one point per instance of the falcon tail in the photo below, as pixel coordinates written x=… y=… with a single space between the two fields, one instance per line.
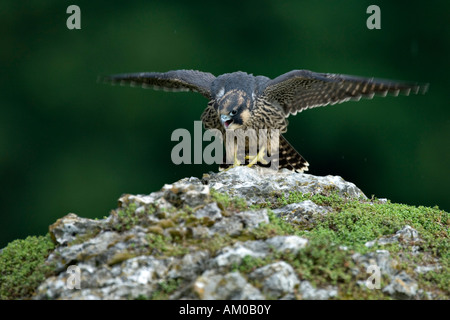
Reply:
x=289 y=158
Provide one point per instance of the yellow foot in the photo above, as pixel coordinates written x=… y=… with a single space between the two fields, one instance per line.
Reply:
x=258 y=158
x=236 y=163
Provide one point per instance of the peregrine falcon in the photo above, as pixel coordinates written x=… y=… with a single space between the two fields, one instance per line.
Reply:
x=242 y=101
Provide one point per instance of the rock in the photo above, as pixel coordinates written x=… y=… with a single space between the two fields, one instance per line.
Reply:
x=406 y=236
x=302 y=212
x=231 y=286
x=135 y=277
x=308 y=292
x=187 y=191
x=290 y=244
x=230 y=256
x=190 y=265
x=70 y=227
x=246 y=183
x=194 y=240
x=210 y=211
x=402 y=286
x=235 y=224
x=380 y=258
x=425 y=269
x=104 y=248
x=278 y=279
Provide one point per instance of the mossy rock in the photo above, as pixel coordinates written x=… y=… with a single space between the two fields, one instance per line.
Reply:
x=22 y=266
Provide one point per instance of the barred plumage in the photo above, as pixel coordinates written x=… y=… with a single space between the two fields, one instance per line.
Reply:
x=242 y=101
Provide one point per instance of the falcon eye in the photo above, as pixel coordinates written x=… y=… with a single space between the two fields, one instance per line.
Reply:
x=233 y=112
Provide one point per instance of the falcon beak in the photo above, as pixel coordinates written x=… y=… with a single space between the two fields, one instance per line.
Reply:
x=226 y=120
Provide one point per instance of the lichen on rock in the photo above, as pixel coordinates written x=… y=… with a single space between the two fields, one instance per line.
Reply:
x=250 y=233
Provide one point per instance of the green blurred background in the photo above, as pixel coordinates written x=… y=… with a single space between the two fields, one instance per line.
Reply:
x=69 y=144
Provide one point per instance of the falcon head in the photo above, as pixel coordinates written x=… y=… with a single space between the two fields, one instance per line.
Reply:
x=233 y=108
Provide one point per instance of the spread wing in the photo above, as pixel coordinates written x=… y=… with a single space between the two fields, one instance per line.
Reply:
x=177 y=80
x=298 y=90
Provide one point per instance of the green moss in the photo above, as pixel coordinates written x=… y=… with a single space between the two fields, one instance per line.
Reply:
x=227 y=203
x=293 y=197
x=275 y=227
x=166 y=223
x=321 y=262
x=214 y=244
x=127 y=217
x=165 y=289
x=119 y=257
x=355 y=223
x=358 y=222
x=158 y=242
x=160 y=245
x=438 y=278
x=156 y=230
x=85 y=237
x=249 y=264
x=352 y=223
x=22 y=266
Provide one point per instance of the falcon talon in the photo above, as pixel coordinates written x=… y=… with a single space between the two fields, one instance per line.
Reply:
x=242 y=101
x=236 y=163
x=258 y=158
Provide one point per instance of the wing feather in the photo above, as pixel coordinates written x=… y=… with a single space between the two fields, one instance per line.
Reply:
x=298 y=90
x=177 y=80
